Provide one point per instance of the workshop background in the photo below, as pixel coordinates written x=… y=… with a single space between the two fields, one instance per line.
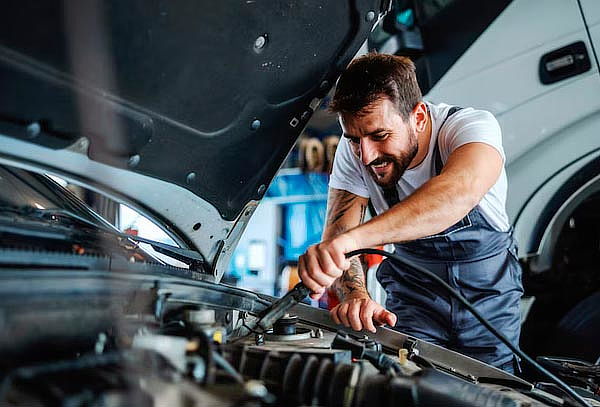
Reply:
x=542 y=84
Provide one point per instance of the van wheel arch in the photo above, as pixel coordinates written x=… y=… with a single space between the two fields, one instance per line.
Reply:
x=557 y=213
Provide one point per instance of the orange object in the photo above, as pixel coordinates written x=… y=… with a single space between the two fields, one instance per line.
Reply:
x=373 y=259
x=293 y=278
x=131 y=231
x=332 y=298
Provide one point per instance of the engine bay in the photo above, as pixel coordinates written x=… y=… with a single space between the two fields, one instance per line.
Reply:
x=125 y=339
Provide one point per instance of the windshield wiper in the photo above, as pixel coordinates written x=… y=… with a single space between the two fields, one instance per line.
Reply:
x=193 y=259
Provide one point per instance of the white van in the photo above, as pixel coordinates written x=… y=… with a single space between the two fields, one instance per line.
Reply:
x=534 y=65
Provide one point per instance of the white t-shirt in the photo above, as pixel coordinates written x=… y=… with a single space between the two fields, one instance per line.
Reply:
x=465 y=126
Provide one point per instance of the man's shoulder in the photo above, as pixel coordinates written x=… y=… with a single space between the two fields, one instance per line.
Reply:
x=343 y=150
x=454 y=125
x=457 y=113
x=466 y=125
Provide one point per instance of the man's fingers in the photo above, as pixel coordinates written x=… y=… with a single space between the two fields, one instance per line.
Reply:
x=339 y=258
x=383 y=316
x=391 y=318
x=315 y=288
x=316 y=273
x=342 y=314
x=362 y=314
x=366 y=316
x=315 y=296
x=334 y=316
x=354 y=315
x=328 y=265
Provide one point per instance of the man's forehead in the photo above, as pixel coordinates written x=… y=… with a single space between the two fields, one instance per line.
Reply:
x=368 y=120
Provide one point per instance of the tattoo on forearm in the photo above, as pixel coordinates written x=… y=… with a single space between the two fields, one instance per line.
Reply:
x=341 y=203
x=340 y=206
x=339 y=291
x=352 y=281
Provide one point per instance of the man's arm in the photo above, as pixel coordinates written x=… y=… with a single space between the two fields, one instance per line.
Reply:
x=471 y=170
x=345 y=211
x=356 y=309
x=468 y=175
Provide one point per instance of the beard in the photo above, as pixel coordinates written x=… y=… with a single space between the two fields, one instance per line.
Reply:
x=398 y=164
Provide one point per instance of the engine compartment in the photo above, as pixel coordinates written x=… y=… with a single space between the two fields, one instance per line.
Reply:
x=124 y=339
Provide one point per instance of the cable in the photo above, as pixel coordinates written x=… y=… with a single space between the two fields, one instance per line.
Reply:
x=477 y=315
x=221 y=361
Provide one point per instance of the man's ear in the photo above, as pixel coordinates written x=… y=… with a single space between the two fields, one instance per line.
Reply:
x=420 y=116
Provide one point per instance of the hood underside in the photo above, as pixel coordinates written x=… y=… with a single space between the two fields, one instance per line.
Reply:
x=185 y=109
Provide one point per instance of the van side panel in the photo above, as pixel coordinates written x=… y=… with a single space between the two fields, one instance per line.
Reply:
x=591 y=10
x=546 y=128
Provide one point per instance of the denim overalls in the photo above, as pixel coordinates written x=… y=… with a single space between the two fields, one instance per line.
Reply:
x=477 y=260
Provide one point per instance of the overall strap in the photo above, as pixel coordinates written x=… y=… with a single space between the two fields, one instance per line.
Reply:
x=390 y=195
x=436 y=152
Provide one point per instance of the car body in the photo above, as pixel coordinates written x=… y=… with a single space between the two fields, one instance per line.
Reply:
x=184 y=111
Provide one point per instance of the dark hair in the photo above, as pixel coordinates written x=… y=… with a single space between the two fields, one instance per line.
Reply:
x=374 y=76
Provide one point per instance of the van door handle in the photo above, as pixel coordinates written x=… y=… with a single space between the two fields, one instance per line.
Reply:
x=564 y=62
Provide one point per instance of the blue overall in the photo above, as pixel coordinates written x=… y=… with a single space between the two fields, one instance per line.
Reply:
x=477 y=260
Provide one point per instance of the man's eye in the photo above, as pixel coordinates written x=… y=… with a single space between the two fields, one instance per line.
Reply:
x=354 y=140
x=380 y=137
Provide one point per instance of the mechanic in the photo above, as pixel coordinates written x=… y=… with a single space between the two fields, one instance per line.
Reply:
x=434 y=174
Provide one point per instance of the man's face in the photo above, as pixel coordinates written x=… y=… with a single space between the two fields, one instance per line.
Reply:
x=384 y=142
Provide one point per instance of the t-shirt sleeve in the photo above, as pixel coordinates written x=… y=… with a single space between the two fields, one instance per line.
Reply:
x=471 y=126
x=346 y=173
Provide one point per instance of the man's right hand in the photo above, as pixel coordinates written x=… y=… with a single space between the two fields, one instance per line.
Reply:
x=361 y=312
x=323 y=263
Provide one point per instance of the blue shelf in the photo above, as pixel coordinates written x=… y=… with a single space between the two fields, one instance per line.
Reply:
x=290 y=183
x=303 y=201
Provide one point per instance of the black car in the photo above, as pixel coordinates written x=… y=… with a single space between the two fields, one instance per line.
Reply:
x=184 y=111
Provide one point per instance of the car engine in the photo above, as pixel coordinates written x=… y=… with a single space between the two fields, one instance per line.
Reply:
x=128 y=339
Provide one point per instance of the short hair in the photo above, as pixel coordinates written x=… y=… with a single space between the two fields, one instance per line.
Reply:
x=373 y=76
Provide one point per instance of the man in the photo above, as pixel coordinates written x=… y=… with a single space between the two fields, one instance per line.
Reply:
x=435 y=176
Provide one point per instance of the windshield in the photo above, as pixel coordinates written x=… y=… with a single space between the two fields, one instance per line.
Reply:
x=44 y=204
x=18 y=189
x=22 y=190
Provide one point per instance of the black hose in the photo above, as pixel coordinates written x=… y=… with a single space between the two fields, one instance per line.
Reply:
x=221 y=361
x=397 y=259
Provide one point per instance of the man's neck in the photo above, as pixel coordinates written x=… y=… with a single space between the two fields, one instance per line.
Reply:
x=423 y=139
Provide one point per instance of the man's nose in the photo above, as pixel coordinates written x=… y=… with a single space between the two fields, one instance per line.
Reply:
x=367 y=152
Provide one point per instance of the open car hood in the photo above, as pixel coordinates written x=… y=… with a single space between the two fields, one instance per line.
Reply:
x=184 y=110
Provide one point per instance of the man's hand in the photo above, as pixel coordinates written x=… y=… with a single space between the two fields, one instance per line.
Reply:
x=361 y=312
x=323 y=263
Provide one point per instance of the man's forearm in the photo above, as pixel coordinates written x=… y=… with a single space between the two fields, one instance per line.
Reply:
x=352 y=282
x=469 y=173
x=434 y=207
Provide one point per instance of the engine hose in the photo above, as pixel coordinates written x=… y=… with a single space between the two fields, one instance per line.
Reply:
x=225 y=365
x=399 y=260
